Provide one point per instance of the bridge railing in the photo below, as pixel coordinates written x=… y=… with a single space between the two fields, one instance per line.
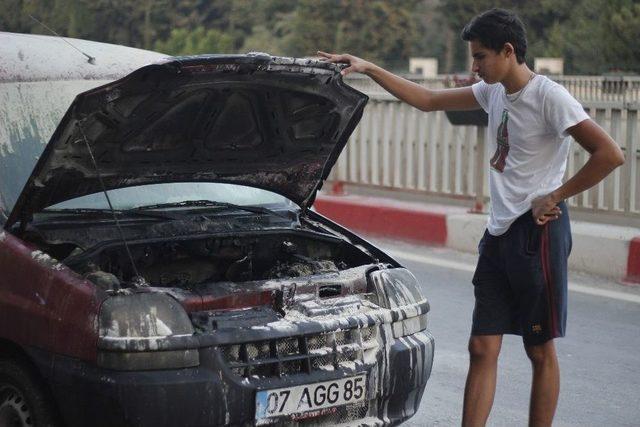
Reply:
x=396 y=147
x=611 y=88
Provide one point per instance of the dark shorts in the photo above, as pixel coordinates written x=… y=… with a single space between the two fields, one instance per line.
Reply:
x=520 y=282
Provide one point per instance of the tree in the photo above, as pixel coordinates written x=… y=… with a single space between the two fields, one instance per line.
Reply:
x=67 y=17
x=185 y=42
x=432 y=34
x=593 y=36
x=624 y=29
x=378 y=30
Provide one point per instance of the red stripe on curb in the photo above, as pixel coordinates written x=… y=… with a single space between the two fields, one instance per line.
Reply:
x=404 y=222
x=633 y=262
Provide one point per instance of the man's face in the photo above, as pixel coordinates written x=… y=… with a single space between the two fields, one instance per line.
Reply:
x=491 y=66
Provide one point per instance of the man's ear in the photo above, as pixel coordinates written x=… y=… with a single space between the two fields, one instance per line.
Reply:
x=508 y=49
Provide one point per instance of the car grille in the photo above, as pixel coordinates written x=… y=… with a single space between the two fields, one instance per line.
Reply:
x=301 y=354
x=339 y=415
x=352 y=412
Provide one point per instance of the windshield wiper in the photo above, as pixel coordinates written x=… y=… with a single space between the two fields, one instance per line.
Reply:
x=136 y=212
x=213 y=204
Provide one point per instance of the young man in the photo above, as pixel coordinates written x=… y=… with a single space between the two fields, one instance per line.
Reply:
x=520 y=283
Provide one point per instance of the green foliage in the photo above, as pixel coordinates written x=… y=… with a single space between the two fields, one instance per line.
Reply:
x=184 y=42
x=625 y=31
x=593 y=36
x=382 y=31
x=263 y=40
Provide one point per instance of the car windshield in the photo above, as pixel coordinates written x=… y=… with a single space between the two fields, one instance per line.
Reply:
x=166 y=193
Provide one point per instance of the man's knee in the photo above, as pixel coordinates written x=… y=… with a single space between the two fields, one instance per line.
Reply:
x=484 y=348
x=542 y=354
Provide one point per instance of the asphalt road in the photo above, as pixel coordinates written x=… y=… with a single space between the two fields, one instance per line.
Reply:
x=599 y=358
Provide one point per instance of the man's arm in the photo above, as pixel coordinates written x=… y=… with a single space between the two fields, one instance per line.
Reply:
x=408 y=91
x=605 y=156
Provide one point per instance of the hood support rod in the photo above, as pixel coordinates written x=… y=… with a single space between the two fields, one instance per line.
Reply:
x=139 y=280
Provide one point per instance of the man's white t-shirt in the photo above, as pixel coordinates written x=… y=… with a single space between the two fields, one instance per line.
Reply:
x=528 y=143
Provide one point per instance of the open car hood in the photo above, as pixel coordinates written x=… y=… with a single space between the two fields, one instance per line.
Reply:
x=267 y=122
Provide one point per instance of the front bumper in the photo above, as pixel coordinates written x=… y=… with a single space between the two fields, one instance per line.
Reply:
x=212 y=394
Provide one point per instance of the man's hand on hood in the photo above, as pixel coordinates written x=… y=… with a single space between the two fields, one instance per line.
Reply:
x=356 y=64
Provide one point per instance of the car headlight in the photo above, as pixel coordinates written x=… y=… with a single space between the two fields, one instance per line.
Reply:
x=145 y=331
x=397 y=288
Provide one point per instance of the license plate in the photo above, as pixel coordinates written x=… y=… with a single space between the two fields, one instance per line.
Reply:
x=308 y=399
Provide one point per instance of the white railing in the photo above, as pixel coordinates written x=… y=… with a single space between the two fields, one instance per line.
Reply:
x=613 y=89
x=396 y=147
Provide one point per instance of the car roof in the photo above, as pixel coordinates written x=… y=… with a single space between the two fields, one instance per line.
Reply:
x=40 y=76
x=35 y=57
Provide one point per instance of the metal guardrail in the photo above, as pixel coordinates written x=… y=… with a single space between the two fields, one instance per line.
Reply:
x=397 y=147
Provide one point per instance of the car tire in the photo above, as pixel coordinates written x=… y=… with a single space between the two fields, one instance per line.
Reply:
x=23 y=398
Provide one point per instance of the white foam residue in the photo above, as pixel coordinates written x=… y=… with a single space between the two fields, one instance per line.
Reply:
x=348 y=364
x=41 y=77
x=294 y=315
x=280 y=326
x=44 y=259
x=40 y=256
x=321 y=351
x=157 y=325
x=138 y=343
x=162 y=328
x=34 y=109
x=153 y=344
x=33 y=57
x=326 y=368
x=370 y=356
x=114 y=329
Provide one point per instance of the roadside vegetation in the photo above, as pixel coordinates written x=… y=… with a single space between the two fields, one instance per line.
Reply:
x=593 y=36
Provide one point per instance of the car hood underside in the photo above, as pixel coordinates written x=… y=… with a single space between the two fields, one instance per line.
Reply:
x=267 y=122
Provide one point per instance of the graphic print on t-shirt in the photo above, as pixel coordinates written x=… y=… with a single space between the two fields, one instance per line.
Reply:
x=499 y=159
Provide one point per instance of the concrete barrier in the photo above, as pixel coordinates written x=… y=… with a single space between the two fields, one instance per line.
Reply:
x=383 y=217
x=633 y=262
x=606 y=250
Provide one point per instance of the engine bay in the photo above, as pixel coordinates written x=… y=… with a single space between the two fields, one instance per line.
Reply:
x=187 y=262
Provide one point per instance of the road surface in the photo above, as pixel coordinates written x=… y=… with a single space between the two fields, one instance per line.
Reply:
x=599 y=358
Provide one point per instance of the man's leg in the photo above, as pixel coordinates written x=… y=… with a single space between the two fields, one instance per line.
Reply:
x=481 y=379
x=546 y=383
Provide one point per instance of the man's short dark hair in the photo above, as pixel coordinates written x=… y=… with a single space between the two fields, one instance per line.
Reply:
x=494 y=28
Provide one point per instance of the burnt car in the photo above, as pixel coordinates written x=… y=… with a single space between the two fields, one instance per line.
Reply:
x=162 y=266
